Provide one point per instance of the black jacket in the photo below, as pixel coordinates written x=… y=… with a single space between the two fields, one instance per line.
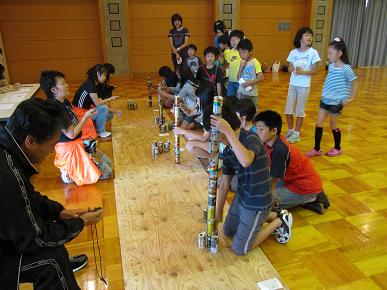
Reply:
x=29 y=221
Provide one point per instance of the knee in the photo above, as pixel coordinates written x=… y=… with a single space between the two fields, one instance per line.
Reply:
x=102 y=109
x=189 y=146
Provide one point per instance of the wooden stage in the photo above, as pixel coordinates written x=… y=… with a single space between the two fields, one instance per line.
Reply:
x=160 y=214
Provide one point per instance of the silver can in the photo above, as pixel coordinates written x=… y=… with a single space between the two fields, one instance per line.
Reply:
x=202 y=240
x=154 y=149
x=214 y=244
x=166 y=146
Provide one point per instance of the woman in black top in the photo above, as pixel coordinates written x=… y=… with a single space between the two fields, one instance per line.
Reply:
x=178 y=39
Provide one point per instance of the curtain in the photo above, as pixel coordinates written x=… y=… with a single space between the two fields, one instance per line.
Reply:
x=373 y=44
x=347 y=23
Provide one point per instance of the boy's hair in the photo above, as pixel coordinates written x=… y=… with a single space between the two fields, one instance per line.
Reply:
x=92 y=73
x=205 y=92
x=224 y=39
x=299 y=34
x=185 y=74
x=237 y=33
x=164 y=71
x=271 y=119
x=2 y=70
x=339 y=44
x=192 y=46
x=211 y=49
x=175 y=17
x=48 y=79
x=219 y=25
x=38 y=118
x=245 y=44
x=245 y=108
x=228 y=114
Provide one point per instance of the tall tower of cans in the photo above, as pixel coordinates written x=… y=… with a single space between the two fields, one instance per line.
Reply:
x=149 y=91
x=212 y=234
x=176 y=112
x=160 y=101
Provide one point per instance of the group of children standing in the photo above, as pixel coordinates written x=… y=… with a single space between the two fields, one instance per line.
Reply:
x=257 y=159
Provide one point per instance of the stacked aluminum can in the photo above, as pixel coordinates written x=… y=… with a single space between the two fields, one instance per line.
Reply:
x=176 y=111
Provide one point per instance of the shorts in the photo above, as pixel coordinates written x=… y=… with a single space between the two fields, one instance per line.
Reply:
x=299 y=95
x=232 y=89
x=333 y=109
x=243 y=225
x=284 y=198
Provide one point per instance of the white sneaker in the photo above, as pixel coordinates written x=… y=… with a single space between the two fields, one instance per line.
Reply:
x=285 y=229
x=288 y=134
x=105 y=134
x=65 y=177
x=295 y=137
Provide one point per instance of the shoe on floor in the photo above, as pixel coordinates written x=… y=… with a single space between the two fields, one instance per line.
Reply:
x=285 y=229
x=314 y=206
x=313 y=153
x=65 y=177
x=334 y=152
x=288 y=134
x=295 y=137
x=105 y=134
x=78 y=262
x=323 y=199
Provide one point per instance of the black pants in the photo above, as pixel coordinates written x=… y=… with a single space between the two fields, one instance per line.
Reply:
x=50 y=269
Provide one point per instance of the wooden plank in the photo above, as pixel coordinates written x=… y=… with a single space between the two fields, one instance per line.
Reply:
x=159 y=220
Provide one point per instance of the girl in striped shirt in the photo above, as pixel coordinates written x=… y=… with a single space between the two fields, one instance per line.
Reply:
x=339 y=90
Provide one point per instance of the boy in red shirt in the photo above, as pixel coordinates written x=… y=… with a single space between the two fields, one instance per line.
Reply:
x=296 y=180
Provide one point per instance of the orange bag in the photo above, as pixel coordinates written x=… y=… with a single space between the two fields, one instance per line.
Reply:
x=88 y=131
x=72 y=157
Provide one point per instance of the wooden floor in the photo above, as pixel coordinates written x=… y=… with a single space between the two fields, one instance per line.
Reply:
x=343 y=249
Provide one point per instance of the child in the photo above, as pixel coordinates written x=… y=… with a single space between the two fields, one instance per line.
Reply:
x=5 y=87
x=246 y=110
x=233 y=59
x=170 y=79
x=220 y=30
x=105 y=90
x=246 y=157
x=193 y=61
x=339 y=90
x=296 y=181
x=178 y=40
x=86 y=97
x=250 y=72
x=71 y=158
x=302 y=65
x=211 y=73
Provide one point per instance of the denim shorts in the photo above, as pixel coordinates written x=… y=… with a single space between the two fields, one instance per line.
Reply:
x=333 y=109
x=243 y=226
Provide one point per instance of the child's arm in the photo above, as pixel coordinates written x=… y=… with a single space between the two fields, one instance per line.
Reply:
x=224 y=187
x=73 y=131
x=184 y=44
x=193 y=135
x=244 y=155
x=6 y=87
x=241 y=67
x=290 y=67
x=259 y=78
x=97 y=101
x=354 y=86
x=174 y=50
x=312 y=70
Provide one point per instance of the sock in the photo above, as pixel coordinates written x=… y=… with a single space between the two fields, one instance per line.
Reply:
x=317 y=138
x=337 y=137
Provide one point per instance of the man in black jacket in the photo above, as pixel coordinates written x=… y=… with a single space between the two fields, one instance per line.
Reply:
x=33 y=228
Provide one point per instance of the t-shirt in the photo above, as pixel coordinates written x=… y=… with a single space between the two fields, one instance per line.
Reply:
x=294 y=168
x=194 y=64
x=74 y=121
x=233 y=58
x=82 y=97
x=337 y=86
x=249 y=72
x=254 y=182
x=211 y=76
x=187 y=95
x=178 y=36
x=303 y=60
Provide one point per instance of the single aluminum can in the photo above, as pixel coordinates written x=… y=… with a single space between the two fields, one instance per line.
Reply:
x=211 y=214
x=211 y=201
x=210 y=227
x=162 y=128
x=214 y=244
x=157 y=120
x=202 y=240
x=217 y=106
x=154 y=149
x=205 y=215
x=166 y=146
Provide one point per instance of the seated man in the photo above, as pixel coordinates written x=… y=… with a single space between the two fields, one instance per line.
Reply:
x=245 y=156
x=296 y=180
x=33 y=228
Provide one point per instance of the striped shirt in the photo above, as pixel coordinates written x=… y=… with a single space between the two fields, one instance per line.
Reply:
x=254 y=182
x=337 y=86
x=82 y=97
